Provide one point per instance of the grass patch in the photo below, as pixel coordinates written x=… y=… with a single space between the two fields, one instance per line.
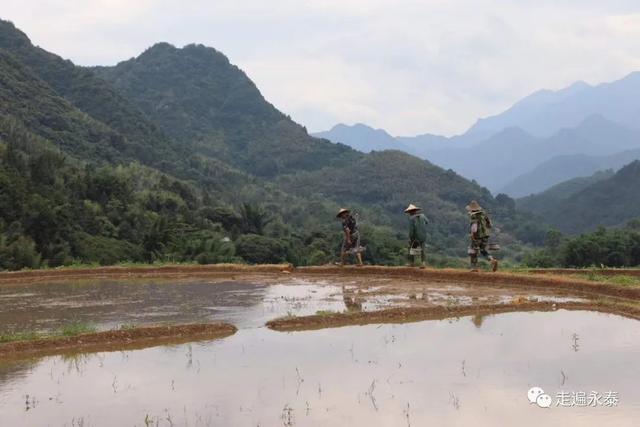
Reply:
x=76 y=328
x=19 y=336
x=325 y=313
x=620 y=280
x=69 y=330
x=127 y=326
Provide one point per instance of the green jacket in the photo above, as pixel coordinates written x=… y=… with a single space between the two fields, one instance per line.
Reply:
x=483 y=225
x=418 y=228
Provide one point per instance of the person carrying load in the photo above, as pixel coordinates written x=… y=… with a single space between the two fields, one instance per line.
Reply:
x=479 y=231
x=417 y=234
x=351 y=239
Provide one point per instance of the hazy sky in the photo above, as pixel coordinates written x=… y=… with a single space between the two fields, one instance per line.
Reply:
x=407 y=66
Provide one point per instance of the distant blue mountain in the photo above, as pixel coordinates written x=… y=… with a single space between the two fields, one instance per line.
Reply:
x=361 y=137
x=580 y=120
x=546 y=112
x=563 y=168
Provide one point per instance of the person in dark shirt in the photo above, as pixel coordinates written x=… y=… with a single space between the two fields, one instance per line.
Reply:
x=351 y=239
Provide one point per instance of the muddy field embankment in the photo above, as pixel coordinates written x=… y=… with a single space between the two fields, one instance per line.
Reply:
x=634 y=272
x=548 y=281
x=142 y=271
x=419 y=314
x=118 y=339
x=559 y=279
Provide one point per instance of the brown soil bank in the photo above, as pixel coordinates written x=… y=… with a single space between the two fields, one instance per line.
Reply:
x=140 y=271
x=116 y=340
x=575 y=286
x=417 y=314
x=600 y=271
x=542 y=281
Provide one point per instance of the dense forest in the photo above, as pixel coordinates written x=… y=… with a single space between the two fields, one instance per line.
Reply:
x=615 y=247
x=175 y=156
x=584 y=204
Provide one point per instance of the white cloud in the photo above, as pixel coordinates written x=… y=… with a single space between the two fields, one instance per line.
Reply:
x=408 y=66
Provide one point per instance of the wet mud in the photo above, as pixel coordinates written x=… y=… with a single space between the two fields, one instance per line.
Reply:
x=118 y=340
x=542 y=279
x=418 y=314
x=30 y=276
x=284 y=298
x=555 y=283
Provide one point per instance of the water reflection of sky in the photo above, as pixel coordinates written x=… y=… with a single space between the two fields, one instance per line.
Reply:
x=449 y=372
x=109 y=304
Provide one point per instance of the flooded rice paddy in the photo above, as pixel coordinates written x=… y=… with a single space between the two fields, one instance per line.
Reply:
x=108 y=303
x=467 y=371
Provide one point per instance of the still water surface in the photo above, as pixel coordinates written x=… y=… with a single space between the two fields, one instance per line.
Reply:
x=464 y=372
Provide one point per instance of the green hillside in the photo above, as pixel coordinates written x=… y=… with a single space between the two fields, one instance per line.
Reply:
x=176 y=156
x=541 y=203
x=607 y=202
x=209 y=105
x=32 y=102
x=90 y=94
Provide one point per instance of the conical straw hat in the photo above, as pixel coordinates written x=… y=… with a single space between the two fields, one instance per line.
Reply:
x=341 y=211
x=474 y=207
x=412 y=208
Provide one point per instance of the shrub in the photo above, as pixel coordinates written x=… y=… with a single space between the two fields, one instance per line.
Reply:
x=20 y=254
x=260 y=249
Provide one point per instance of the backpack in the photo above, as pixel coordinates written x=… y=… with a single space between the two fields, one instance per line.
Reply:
x=484 y=224
x=420 y=223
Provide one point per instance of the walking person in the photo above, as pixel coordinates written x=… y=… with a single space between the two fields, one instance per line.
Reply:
x=351 y=238
x=417 y=235
x=479 y=231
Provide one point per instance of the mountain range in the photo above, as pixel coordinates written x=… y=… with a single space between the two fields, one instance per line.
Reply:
x=175 y=155
x=563 y=168
x=524 y=149
x=168 y=154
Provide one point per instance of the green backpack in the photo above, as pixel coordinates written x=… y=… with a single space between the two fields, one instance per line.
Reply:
x=484 y=224
x=419 y=227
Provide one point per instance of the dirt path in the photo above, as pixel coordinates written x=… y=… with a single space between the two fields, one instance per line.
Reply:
x=116 y=340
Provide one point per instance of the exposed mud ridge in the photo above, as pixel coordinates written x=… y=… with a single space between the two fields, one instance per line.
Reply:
x=120 y=339
x=599 y=271
x=574 y=286
x=140 y=271
x=543 y=279
x=418 y=314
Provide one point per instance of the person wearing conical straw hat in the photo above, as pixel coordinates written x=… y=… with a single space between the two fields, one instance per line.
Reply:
x=351 y=239
x=479 y=231
x=417 y=234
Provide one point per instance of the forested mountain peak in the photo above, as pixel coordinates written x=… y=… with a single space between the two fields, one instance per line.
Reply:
x=220 y=162
x=203 y=101
x=89 y=93
x=195 y=77
x=12 y=36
